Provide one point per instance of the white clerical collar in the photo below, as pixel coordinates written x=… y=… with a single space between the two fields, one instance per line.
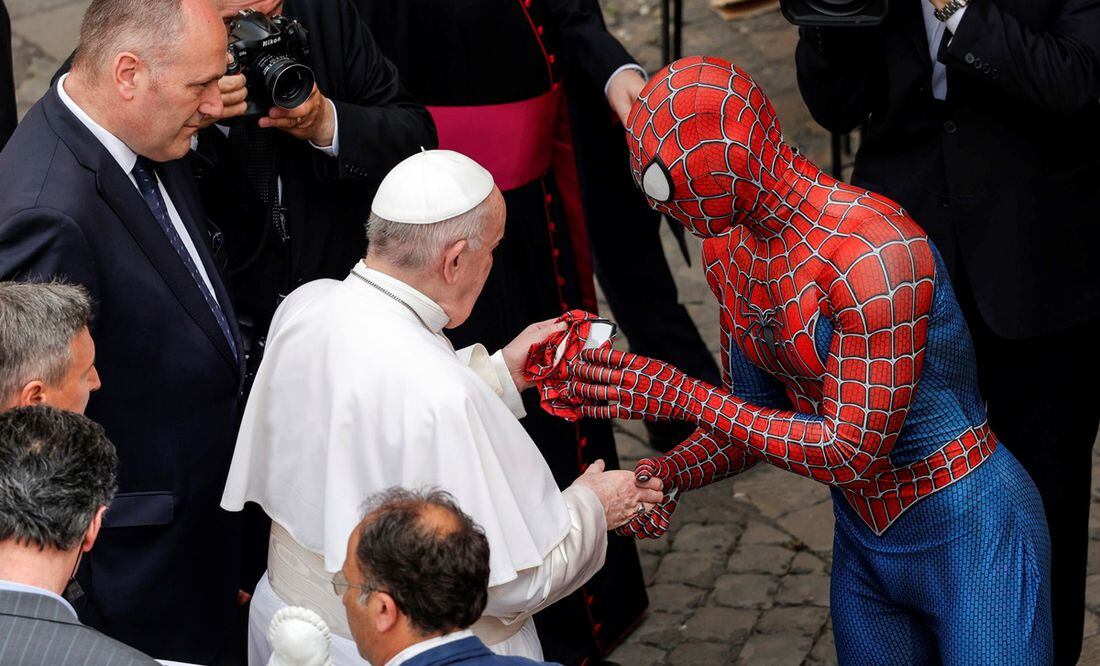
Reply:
x=425 y=308
x=430 y=644
x=125 y=157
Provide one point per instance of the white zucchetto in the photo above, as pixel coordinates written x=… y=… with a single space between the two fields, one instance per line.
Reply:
x=432 y=186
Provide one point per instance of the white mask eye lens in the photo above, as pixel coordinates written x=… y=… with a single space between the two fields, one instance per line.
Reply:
x=655 y=182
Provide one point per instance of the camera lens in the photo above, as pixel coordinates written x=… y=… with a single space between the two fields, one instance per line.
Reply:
x=289 y=81
x=838 y=7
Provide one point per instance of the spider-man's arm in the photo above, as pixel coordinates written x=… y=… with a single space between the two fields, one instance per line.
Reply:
x=880 y=292
x=705 y=456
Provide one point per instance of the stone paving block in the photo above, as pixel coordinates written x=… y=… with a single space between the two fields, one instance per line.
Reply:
x=803 y=589
x=656 y=546
x=711 y=505
x=638 y=655
x=721 y=625
x=1092 y=624
x=802 y=620
x=806 y=562
x=1092 y=591
x=660 y=629
x=760 y=558
x=744 y=591
x=761 y=533
x=824 y=651
x=697 y=569
x=812 y=526
x=1090 y=651
x=699 y=654
x=674 y=598
x=775 y=649
x=55 y=31
x=776 y=492
x=706 y=538
x=1094 y=557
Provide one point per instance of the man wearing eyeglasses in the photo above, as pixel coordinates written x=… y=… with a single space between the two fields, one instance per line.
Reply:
x=415 y=578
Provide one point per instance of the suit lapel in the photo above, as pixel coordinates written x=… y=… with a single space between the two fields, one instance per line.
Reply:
x=124 y=199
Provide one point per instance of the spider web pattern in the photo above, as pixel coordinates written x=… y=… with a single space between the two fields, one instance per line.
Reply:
x=789 y=250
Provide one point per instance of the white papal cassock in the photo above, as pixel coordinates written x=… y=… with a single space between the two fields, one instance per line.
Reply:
x=359 y=391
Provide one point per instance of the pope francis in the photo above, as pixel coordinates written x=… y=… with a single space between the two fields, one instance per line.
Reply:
x=359 y=391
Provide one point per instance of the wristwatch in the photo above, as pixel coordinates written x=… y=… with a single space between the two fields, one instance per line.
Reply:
x=948 y=10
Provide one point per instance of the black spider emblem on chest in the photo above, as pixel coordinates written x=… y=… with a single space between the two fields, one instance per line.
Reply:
x=763 y=325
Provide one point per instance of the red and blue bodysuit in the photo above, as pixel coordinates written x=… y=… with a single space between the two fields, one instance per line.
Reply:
x=846 y=359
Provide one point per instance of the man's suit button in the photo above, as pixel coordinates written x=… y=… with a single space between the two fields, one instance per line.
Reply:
x=950 y=127
x=969 y=58
x=985 y=68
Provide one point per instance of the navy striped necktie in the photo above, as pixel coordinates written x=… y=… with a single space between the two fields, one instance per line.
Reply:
x=144 y=172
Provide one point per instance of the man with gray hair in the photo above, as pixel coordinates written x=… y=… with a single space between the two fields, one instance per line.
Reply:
x=47 y=356
x=57 y=477
x=360 y=390
x=93 y=191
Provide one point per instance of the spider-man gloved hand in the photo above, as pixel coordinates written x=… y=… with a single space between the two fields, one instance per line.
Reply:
x=654 y=523
x=620 y=385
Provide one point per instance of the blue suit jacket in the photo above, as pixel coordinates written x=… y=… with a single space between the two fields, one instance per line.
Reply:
x=164 y=574
x=466 y=651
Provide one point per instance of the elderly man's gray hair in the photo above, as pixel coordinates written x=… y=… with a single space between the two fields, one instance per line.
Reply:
x=414 y=247
x=38 y=321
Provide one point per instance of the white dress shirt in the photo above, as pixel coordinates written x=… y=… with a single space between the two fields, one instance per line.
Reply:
x=934 y=29
x=126 y=159
x=12 y=586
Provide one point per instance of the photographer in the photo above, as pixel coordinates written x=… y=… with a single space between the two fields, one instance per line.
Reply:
x=982 y=121
x=290 y=190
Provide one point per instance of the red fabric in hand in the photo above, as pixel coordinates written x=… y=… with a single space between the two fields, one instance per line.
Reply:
x=551 y=377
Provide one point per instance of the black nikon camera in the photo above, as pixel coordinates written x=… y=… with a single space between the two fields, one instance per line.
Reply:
x=272 y=53
x=848 y=13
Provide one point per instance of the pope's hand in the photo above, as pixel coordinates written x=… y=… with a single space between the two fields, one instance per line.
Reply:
x=619 y=493
x=515 y=352
x=622 y=92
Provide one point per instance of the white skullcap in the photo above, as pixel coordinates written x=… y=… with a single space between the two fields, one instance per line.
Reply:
x=432 y=186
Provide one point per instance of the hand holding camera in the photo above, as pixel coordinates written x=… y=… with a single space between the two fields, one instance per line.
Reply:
x=267 y=78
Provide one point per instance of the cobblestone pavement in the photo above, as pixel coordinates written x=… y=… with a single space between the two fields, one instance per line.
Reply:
x=743 y=575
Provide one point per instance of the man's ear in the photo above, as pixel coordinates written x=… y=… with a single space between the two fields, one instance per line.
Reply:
x=33 y=393
x=452 y=261
x=93 y=530
x=386 y=616
x=127 y=72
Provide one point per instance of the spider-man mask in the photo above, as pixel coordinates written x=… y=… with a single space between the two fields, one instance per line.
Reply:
x=705 y=144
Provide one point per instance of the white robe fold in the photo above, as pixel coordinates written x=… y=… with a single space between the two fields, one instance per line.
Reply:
x=359 y=392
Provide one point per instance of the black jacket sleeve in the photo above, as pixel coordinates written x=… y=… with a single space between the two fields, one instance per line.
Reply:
x=379 y=122
x=838 y=69
x=1057 y=68
x=586 y=40
x=42 y=244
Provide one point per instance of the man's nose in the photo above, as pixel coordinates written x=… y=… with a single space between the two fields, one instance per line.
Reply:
x=95 y=380
x=211 y=104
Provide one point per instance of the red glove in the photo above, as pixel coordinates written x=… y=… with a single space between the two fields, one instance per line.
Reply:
x=550 y=374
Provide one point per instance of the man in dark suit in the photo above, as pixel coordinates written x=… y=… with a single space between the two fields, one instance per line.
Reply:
x=415 y=578
x=93 y=191
x=982 y=120
x=291 y=190
x=57 y=476
x=8 y=115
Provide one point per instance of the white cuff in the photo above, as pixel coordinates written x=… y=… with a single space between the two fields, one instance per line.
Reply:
x=509 y=393
x=334 y=149
x=630 y=65
x=953 y=22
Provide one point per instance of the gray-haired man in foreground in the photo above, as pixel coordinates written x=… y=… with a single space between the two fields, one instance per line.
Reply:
x=57 y=476
x=47 y=356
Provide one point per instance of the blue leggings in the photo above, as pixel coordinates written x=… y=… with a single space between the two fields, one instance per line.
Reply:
x=962 y=578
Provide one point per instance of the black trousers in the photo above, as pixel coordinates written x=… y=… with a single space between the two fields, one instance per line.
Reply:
x=1036 y=407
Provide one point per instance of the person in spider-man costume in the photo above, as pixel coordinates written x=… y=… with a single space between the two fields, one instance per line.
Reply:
x=846 y=359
